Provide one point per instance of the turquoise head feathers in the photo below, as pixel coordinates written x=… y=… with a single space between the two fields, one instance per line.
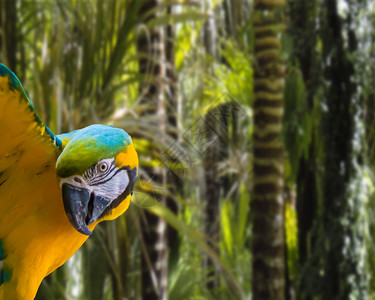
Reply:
x=97 y=170
x=89 y=145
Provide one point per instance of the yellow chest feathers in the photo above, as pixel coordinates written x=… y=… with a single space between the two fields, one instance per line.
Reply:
x=37 y=236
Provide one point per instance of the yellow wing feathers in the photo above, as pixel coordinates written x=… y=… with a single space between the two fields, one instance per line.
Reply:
x=53 y=189
x=27 y=163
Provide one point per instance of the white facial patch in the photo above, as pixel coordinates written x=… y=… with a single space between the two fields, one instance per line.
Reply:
x=103 y=178
x=113 y=187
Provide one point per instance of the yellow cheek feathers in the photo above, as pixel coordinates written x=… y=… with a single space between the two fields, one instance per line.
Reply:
x=127 y=158
x=119 y=210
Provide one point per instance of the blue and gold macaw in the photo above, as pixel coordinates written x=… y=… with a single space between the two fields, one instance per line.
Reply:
x=54 y=190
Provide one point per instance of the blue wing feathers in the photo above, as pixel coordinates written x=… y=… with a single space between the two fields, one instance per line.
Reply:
x=1 y=251
x=4 y=275
x=1 y=259
x=14 y=83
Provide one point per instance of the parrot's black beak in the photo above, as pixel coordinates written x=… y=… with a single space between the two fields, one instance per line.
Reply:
x=82 y=206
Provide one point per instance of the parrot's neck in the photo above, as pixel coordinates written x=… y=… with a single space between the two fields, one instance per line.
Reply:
x=37 y=238
x=24 y=270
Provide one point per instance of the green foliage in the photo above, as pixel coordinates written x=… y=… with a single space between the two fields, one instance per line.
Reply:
x=184 y=43
x=297 y=123
x=291 y=236
x=79 y=63
x=198 y=239
x=235 y=237
x=78 y=58
x=227 y=214
x=234 y=76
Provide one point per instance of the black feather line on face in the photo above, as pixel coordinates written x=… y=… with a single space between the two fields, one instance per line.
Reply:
x=93 y=177
x=129 y=190
x=108 y=175
x=101 y=175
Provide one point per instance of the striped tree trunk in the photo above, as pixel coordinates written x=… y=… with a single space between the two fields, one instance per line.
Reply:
x=267 y=203
x=151 y=47
x=174 y=182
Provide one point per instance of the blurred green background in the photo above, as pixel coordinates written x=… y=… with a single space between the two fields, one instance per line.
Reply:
x=182 y=77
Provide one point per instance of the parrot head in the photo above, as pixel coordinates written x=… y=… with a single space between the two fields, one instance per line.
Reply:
x=97 y=170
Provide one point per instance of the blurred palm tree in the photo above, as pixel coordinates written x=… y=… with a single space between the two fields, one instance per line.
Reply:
x=80 y=64
x=267 y=205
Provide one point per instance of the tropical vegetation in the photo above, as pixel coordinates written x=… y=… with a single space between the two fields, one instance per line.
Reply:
x=254 y=123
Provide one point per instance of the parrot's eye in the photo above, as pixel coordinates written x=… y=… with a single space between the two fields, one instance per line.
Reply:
x=103 y=167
